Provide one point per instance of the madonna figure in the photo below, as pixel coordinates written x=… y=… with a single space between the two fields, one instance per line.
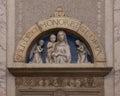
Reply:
x=61 y=52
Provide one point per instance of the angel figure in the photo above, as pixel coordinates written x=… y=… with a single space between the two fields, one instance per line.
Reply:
x=37 y=53
x=82 y=52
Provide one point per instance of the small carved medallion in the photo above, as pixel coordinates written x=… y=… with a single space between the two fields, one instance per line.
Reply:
x=59 y=93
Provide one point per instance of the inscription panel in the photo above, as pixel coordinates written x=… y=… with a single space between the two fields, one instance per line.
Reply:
x=26 y=40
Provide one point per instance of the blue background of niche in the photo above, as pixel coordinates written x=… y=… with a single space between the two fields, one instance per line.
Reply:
x=73 y=49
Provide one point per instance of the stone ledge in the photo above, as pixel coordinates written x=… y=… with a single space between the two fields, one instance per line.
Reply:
x=58 y=70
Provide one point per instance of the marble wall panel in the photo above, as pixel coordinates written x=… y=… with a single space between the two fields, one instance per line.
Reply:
x=117 y=46
x=24 y=7
x=90 y=12
x=3 y=47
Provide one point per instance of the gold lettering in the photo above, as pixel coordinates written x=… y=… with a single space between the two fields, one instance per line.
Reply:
x=56 y=22
x=74 y=24
x=18 y=57
x=94 y=41
x=49 y=22
x=61 y=22
x=43 y=25
x=34 y=30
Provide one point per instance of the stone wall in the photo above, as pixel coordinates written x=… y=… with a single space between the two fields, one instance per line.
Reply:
x=3 y=35
x=117 y=46
x=90 y=12
x=3 y=32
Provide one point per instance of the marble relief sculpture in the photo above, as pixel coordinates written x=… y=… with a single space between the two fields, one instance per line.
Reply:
x=82 y=52
x=77 y=82
x=55 y=82
x=61 y=52
x=37 y=52
x=50 y=49
x=63 y=82
x=41 y=82
x=46 y=82
x=58 y=50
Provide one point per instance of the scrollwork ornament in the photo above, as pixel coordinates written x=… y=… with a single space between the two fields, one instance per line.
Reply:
x=67 y=82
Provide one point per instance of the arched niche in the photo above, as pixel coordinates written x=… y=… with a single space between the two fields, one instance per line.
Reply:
x=72 y=36
x=75 y=28
x=93 y=74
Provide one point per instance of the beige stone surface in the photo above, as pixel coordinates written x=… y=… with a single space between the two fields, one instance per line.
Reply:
x=117 y=46
x=109 y=79
x=72 y=9
x=3 y=47
x=10 y=45
x=90 y=12
x=71 y=86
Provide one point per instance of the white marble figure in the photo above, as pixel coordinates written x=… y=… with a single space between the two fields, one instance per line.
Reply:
x=61 y=52
x=41 y=83
x=46 y=83
x=55 y=82
x=50 y=49
x=77 y=83
x=37 y=53
x=82 y=52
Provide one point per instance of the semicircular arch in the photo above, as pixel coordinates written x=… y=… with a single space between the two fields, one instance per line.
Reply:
x=59 y=22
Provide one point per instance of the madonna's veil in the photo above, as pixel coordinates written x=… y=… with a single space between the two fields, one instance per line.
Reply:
x=66 y=42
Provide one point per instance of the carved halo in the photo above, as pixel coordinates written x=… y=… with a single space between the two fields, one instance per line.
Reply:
x=59 y=20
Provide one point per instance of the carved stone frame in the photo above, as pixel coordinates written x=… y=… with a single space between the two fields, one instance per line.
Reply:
x=97 y=69
x=50 y=92
x=60 y=22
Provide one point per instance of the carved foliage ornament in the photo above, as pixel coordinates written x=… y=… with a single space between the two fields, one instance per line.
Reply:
x=59 y=21
x=56 y=82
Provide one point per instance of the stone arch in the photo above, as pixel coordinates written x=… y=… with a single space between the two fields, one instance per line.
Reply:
x=59 y=22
